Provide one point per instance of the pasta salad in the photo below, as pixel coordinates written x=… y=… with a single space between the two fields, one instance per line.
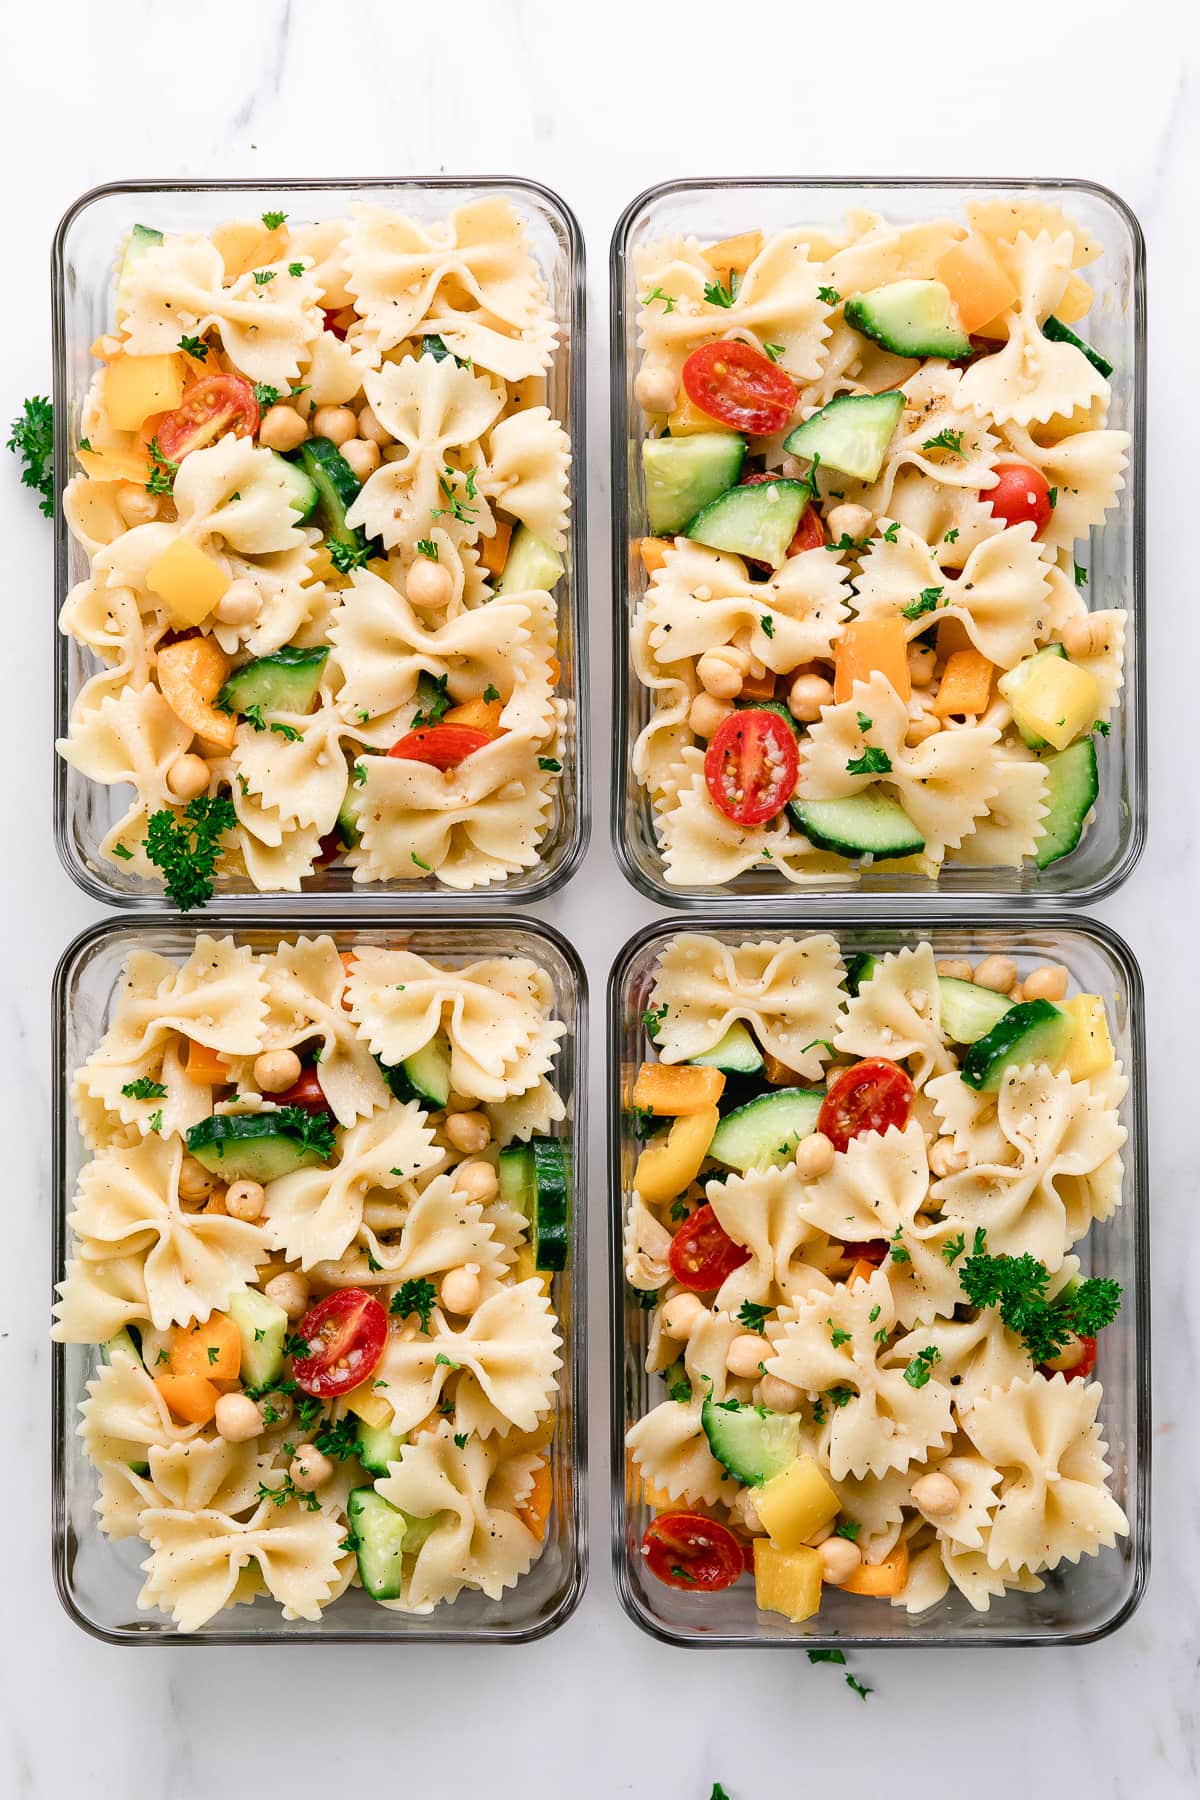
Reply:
x=855 y=1222
x=315 y=1242
x=324 y=502
x=862 y=634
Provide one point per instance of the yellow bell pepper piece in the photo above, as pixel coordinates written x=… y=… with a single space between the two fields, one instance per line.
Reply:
x=137 y=386
x=736 y=253
x=787 y=1581
x=368 y=1404
x=688 y=419
x=1090 y=1050
x=187 y=582
x=1058 y=702
x=666 y=1169
x=795 y=1503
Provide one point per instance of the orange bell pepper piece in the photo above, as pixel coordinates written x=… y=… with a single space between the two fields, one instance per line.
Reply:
x=883 y=1579
x=204 y=1065
x=966 y=684
x=535 y=1512
x=671 y=1089
x=190 y=1397
x=868 y=645
x=653 y=552
x=213 y=1349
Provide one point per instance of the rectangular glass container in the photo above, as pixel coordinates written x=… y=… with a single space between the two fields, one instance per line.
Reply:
x=83 y=278
x=98 y=1579
x=1080 y=1602
x=1114 y=560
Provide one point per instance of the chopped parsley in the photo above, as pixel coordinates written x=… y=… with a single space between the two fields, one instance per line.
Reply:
x=287 y=1491
x=288 y=732
x=1080 y=576
x=296 y=268
x=1052 y=496
x=921 y=1367
x=951 y=536
x=253 y=716
x=214 y=1350
x=415 y=1296
x=657 y=294
x=437 y=706
x=827 y=1656
x=86 y=444
x=194 y=346
x=641 y=1122
x=338 y=1438
x=946 y=440
x=32 y=439
x=892 y=533
x=828 y=296
x=647 y=1298
x=419 y=863
x=346 y=557
x=262 y=276
x=840 y=1396
x=768 y=625
x=265 y=394
x=273 y=220
x=849 y=1528
x=550 y=765
x=427 y=547
x=155 y=1120
x=1016 y=1286
x=144 y=1089
x=774 y=351
x=846 y=542
x=491 y=692
x=752 y=1317
x=873 y=761
x=899 y=1253
x=928 y=600
x=186 y=848
x=864 y=723
x=953 y=1248
x=873 y=1314
x=717 y=294
x=652 y=1020
x=679 y=1211
x=853 y=1682
x=679 y=1388
x=457 y=509
x=1102 y=726
x=445 y=1362
x=837 y=1335
x=162 y=470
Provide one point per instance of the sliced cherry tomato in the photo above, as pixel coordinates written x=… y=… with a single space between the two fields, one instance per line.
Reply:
x=872 y=1250
x=346 y=1333
x=1083 y=1368
x=1020 y=494
x=869 y=1097
x=702 y=1255
x=209 y=409
x=329 y=849
x=751 y=766
x=331 y=322
x=741 y=387
x=686 y=1550
x=306 y=1092
x=442 y=746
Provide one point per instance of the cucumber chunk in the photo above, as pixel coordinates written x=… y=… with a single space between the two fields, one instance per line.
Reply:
x=1034 y=1031
x=737 y=1053
x=684 y=474
x=1016 y=679
x=869 y=822
x=551 y=1204
x=758 y=521
x=1058 y=333
x=337 y=489
x=852 y=433
x=379 y=1531
x=424 y=1076
x=531 y=565
x=141 y=239
x=263 y=1326
x=127 y=1342
x=750 y=1442
x=378 y=1447
x=1072 y=785
x=302 y=489
x=516 y=1178
x=910 y=318
x=766 y=1130
x=969 y=1011
x=285 y=681
x=250 y=1147
x=347 y=825
x=860 y=966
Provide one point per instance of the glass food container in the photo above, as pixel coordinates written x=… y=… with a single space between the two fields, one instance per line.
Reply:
x=1080 y=1602
x=98 y=1579
x=1114 y=561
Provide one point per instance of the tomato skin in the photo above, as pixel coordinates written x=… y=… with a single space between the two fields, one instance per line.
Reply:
x=442 y=746
x=1083 y=1368
x=871 y=1096
x=209 y=409
x=739 y=386
x=697 y=1555
x=306 y=1092
x=1020 y=495
x=872 y=1250
x=702 y=1255
x=350 y=1329
x=810 y=533
x=754 y=755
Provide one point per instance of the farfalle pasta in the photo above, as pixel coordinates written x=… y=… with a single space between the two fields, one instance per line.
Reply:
x=324 y=504
x=318 y=1263
x=859 y=632
x=877 y=1348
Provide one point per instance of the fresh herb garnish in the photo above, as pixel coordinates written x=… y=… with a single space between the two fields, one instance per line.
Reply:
x=295 y=269
x=752 y=1317
x=346 y=557
x=162 y=470
x=288 y=1490
x=838 y=1335
x=420 y=864
x=945 y=440
x=1080 y=575
x=953 y=1248
x=491 y=692
x=32 y=439
x=852 y=1681
x=921 y=1367
x=926 y=601
x=186 y=848
x=774 y=351
x=437 y=706
x=829 y=296
x=253 y=716
x=657 y=294
x=652 y=1019
x=427 y=547
x=338 y=1438
x=194 y=346
x=899 y=1253
x=717 y=294
x=308 y=1130
x=273 y=220
x=840 y=1396
x=864 y=723
x=873 y=761
x=849 y=1528
x=155 y=1120
x=458 y=509
x=1016 y=1286
x=951 y=536
x=1102 y=726
x=144 y=1089
x=827 y=1656
x=550 y=765
x=415 y=1296
x=768 y=625
x=445 y=1362
x=892 y=533
x=262 y=276
x=265 y=394
x=288 y=732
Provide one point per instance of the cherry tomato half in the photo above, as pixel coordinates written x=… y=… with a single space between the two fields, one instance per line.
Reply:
x=751 y=766
x=346 y=1333
x=442 y=746
x=702 y=1254
x=209 y=409
x=741 y=387
x=872 y=1096
x=810 y=532
x=686 y=1550
x=306 y=1092
x=1083 y=1368
x=1020 y=494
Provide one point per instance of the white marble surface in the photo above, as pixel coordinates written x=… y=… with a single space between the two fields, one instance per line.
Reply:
x=599 y=104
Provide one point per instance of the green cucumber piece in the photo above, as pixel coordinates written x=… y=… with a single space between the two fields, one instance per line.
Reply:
x=851 y=434
x=869 y=822
x=531 y=565
x=1072 y=786
x=1034 y=1031
x=758 y=521
x=1011 y=684
x=737 y=1053
x=303 y=492
x=860 y=966
x=263 y=1326
x=379 y=1532
x=378 y=1447
x=249 y=1147
x=127 y=1342
x=424 y=1076
x=516 y=1178
x=1058 y=333
x=285 y=681
x=775 y=706
x=683 y=474
x=347 y=825
x=752 y=1443
x=337 y=488
x=434 y=346
x=910 y=318
x=551 y=1204
x=766 y=1130
x=141 y=239
x=968 y=1011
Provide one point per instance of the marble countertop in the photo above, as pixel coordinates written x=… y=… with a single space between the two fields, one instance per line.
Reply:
x=599 y=110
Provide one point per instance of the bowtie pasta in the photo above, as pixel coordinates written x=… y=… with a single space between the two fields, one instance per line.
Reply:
x=315 y=1241
x=324 y=502
x=854 y=1219
x=868 y=461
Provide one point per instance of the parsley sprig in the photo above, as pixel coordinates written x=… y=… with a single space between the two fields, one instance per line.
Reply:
x=186 y=847
x=144 y=1089
x=32 y=439
x=752 y=1317
x=1016 y=1286
x=308 y=1130
x=414 y=1296
x=338 y=1438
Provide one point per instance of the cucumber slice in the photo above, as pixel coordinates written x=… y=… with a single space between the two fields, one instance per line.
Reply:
x=435 y=346
x=347 y=825
x=141 y=239
x=378 y=1447
x=775 y=706
x=550 y=1204
x=1034 y=1031
x=302 y=489
x=285 y=681
x=968 y=1011
x=737 y=1053
x=337 y=489
x=852 y=433
x=1058 y=333
x=750 y=1442
x=250 y=1147
x=758 y=521
x=1012 y=683
x=869 y=822
x=684 y=474
x=860 y=966
x=765 y=1131
x=516 y=1178
x=127 y=1342
x=531 y=565
x=379 y=1532
x=910 y=318
x=263 y=1326
x=424 y=1076
x=1073 y=783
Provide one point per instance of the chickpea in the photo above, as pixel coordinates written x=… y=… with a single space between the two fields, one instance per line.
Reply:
x=337 y=423
x=237 y=1418
x=241 y=602
x=1083 y=635
x=681 y=1315
x=814 y=1156
x=921 y=663
x=745 y=1353
x=998 y=973
x=954 y=970
x=655 y=390
x=461 y=1290
x=277 y=1070
x=363 y=456
x=369 y=427
x=1068 y=1358
x=310 y=1468
x=723 y=671
x=707 y=715
x=925 y=725
x=135 y=505
x=1048 y=982
x=195 y=1182
x=289 y=1290
x=187 y=776
x=840 y=1559
x=245 y=1200
x=779 y=1395
x=469 y=1132
x=282 y=429
x=429 y=584
x=477 y=1181
x=936 y=1495
x=847 y=520
x=944 y=1159
x=807 y=695
x=745 y=1511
